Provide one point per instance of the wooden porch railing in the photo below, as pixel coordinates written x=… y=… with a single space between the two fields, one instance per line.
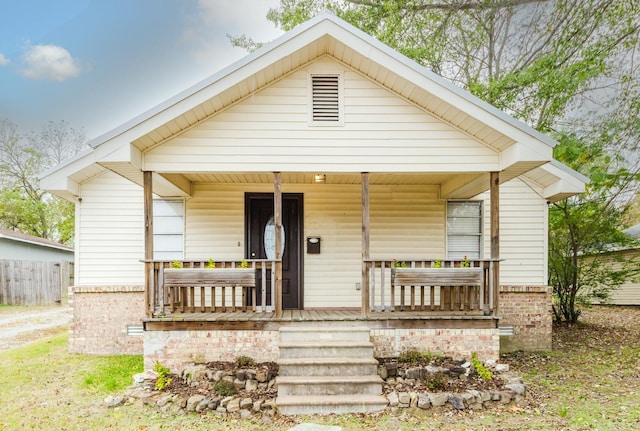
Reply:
x=433 y=285
x=226 y=287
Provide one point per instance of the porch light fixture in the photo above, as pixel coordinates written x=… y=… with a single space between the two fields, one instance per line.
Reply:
x=319 y=178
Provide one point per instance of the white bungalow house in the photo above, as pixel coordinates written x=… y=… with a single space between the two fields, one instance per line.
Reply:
x=322 y=161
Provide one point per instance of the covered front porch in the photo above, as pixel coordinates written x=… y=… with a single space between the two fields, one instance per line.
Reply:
x=251 y=289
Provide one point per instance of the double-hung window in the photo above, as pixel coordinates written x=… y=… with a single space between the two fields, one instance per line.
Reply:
x=168 y=229
x=464 y=229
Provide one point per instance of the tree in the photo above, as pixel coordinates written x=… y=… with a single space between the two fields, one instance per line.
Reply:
x=566 y=67
x=24 y=206
x=585 y=229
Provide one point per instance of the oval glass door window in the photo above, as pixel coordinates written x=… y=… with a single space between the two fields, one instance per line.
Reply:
x=270 y=239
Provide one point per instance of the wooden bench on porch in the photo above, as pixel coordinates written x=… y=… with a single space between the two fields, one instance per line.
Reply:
x=448 y=289
x=186 y=286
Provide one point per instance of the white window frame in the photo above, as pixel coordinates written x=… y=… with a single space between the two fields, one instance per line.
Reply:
x=340 y=121
x=452 y=231
x=176 y=230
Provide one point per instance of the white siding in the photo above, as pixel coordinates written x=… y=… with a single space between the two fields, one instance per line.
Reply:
x=269 y=131
x=406 y=221
x=110 y=232
x=629 y=292
x=523 y=234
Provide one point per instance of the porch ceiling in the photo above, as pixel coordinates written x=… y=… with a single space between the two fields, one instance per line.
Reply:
x=331 y=178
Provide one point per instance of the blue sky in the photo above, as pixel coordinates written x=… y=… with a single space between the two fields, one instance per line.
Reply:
x=98 y=63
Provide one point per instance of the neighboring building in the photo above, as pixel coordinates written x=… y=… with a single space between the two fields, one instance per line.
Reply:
x=33 y=271
x=629 y=292
x=360 y=156
x=18 y=246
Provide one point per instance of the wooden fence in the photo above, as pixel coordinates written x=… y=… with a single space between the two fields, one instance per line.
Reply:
x=24 y=282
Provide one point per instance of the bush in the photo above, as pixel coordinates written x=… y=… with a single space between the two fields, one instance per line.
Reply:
x=225 y=388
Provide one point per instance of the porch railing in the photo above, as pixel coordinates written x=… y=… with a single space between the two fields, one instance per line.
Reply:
x=433 y=285
x=171 y=292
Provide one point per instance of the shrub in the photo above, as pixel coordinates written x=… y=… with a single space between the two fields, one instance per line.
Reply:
x=480 y=368
x=436 y=382
x=163 y=379
x=245 y=361
x=224 y=388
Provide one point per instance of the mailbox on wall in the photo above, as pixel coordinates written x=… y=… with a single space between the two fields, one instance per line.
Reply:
x=313 y=245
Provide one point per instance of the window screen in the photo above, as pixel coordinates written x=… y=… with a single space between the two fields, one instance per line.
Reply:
x=464 y=229
x=168 y=229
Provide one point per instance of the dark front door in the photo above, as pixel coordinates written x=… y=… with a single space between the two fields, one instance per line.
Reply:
x=258 y=224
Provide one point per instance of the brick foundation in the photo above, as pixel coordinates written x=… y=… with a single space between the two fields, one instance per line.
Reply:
x=175 y=348
x=457 y=343
x=99 y=319
x=528 y=310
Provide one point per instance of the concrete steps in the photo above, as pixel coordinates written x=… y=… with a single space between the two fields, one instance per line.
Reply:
x=327 y=369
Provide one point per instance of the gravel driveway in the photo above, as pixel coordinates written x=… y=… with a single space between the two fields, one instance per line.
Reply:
x=29 y=325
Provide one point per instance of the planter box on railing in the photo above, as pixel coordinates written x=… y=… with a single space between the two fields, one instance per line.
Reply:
x=199 y=289
x=440 y=289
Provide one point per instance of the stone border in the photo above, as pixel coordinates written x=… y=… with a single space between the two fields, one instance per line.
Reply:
x=244 y=405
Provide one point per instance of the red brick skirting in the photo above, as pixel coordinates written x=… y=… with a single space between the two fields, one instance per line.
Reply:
x=528 y=310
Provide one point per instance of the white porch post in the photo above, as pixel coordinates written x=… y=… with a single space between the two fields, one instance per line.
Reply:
x=365 y=244
x=148 y=241
x=277 y=215
x=494 y=188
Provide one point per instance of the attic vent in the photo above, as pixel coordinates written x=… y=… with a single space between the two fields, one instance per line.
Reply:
x=325 y=94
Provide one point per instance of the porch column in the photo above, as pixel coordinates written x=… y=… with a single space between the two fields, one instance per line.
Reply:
x=148 y=241
x=494 y=188
x=365 y=244
x=277 y=215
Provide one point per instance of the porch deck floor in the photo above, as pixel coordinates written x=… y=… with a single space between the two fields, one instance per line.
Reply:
x=375 y=319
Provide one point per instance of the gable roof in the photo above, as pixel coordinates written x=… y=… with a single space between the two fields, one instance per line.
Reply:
x=29 y=239
x=522 y=147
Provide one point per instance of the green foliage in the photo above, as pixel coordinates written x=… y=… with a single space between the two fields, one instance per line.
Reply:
x=584 y=230
x=436 y=382
x=437 y=263
x=24 y=207
x=399 y=264
x=464 y=263
x=482 y=371
x=163 y=376
x=176 y=264
x=114 y=373
x=245 y=361
x=211 y=264
x=244 y=264
x=224 y=388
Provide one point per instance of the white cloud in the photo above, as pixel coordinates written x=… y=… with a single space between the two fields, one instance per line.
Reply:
x=49 y=62
x=3 y=60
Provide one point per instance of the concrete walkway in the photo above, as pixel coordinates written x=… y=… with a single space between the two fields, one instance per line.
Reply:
x=25 y=326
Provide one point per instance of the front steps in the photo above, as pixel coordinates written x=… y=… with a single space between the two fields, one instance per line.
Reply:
x=327 y=369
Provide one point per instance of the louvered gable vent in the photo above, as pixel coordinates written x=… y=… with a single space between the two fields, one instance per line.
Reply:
x=325 y=98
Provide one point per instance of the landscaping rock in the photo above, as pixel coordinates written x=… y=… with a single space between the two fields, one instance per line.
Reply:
x=193 y=401
x=438 y=399
x=233 y=406
x=456 y=401
x=393 y=399
x=517 y=388
x=114 y=401
x=246 y=404
x=404 y=400
x=423 y=401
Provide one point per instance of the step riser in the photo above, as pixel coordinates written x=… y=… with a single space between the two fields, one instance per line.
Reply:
x=329 y=389
x=326 y=352
x=330 y=409
x=324 y=370
x=321 y=335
